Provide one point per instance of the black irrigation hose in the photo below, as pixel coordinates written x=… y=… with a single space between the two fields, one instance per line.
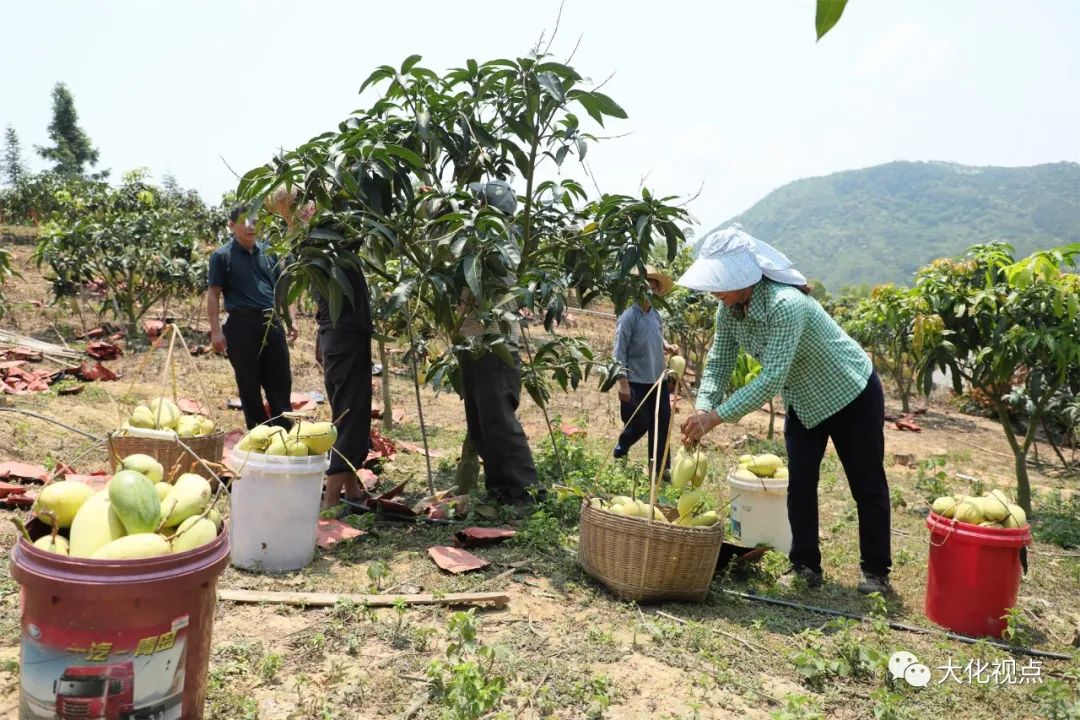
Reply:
x=899 y=626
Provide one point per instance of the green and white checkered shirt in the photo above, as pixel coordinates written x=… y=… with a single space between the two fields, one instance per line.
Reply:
x=805 y=357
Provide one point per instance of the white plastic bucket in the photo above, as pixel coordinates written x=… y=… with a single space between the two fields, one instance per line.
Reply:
x=275 y=510
x=759 y=512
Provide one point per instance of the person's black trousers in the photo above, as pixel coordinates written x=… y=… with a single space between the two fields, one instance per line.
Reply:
x=346 y=359
x=636 y=426
x=492 y=394
x=859 y=438
x=260 y=359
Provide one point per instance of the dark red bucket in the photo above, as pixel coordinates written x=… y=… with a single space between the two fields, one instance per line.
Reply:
x=973 y=575
x=117 y=638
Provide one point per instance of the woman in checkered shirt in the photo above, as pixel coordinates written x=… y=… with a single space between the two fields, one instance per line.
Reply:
x=827 y=382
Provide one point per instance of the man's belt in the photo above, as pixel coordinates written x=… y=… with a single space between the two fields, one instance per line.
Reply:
x=250 y=312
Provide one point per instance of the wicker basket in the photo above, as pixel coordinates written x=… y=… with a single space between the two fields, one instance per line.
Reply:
x=642 y=561
x=167 y=452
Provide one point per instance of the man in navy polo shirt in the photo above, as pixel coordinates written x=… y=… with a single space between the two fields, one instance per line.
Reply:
x=244 y=272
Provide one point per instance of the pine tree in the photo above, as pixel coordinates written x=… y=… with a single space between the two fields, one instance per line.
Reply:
x=71 y=151
x=12 y=163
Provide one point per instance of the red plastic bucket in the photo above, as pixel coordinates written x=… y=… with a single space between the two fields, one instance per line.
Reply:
x=116 y=638
x=973 y=576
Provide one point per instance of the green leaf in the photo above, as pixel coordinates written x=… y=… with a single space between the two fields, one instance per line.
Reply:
x=335 y=298
x=473 y=270
x=410 y=63
x=340 y=278
x=610 y=107
x=326 y=234
x=399 y=298
x=582 y=147
x=828 y=14
x=381 y=73
x=407 y=155
x=550 y=84
x=503 y=353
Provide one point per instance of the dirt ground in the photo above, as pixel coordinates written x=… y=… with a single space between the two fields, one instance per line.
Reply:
x=564 y=647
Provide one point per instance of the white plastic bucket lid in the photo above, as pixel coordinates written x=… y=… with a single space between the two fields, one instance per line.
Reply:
x=246 y=460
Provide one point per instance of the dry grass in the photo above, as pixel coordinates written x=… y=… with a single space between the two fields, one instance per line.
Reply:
x=570 y=650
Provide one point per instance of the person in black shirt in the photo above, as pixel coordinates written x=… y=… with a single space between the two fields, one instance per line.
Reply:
x=344 y=351
x=244 y=272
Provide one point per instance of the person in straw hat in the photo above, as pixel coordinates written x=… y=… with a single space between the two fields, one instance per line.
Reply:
x=827 y=381
x=639 y=348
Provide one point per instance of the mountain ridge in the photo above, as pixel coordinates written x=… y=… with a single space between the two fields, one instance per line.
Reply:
x=881 y=223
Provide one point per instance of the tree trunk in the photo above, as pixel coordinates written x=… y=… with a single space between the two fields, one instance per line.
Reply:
x=1023 y=485
x=387 y=401
x=467 y=476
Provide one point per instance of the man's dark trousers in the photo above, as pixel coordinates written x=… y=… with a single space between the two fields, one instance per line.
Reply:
x=346 y=358
x=492 y=394
x=260 y=358
x=643 y=423
x=857 y=434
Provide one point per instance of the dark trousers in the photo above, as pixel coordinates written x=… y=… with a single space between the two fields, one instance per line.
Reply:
x=643 y=423
x=492 y=394
x=346 y=359
x=857 y=434
x=260 y=359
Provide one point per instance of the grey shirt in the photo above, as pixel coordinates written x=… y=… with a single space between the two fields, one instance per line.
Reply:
x=639 y=344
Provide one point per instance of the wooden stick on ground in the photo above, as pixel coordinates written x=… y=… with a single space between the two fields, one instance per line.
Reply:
x=312 y=599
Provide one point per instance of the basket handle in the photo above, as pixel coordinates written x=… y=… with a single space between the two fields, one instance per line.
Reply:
x=170 y=369
x=198 y=376
x=607 y=458
x=655 y=471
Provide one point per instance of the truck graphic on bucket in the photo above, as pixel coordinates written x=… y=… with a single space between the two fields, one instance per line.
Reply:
x=107 y=692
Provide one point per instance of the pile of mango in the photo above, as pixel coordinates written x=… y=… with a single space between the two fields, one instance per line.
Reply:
x=994 y=509
x=305 y=438
x=689 y=469
x=689 y=507
x=137 y=515
x=752 y=467
x=163 y=414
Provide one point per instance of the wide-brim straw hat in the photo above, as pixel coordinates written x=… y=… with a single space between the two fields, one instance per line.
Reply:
x=666 y=283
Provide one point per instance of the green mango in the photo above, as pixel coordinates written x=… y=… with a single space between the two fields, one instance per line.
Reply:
x=189 y=496
x=194 y=532
x=135 y=500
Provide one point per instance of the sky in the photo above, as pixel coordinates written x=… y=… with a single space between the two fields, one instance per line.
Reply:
x=727 y=99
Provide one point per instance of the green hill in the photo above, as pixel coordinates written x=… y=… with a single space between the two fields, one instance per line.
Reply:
x=880 y=224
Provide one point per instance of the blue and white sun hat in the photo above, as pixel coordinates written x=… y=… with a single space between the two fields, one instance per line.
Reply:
x=729 y=258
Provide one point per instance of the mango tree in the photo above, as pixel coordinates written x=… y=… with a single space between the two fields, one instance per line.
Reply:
x=6 y=271
x=138 y=245
x=996 y=320
x=394 y=182
x=884 y=324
